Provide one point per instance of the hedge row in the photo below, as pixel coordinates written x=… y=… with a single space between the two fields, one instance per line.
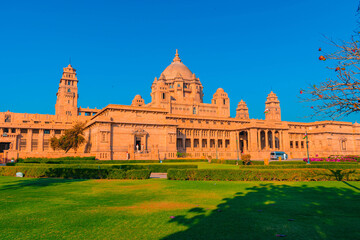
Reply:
x=263 y=175
x=55 y=159
x=93 y=161
x=298 y=166
x=160 y=168
x=234 y=162
x=75 y=173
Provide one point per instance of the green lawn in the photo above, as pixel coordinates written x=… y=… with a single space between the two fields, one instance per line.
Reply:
x=129 y=209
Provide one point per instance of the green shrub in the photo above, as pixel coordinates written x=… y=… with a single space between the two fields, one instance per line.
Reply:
x=162 y=168
x=234 y=162
x=53 y=159
x=282 y=162
x=298 y=166
x=262 y=175
x=66 y=161
x=74 y=172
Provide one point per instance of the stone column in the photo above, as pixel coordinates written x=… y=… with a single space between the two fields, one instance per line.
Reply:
x=41 y=140
x=192 y=139
x=273 y=140
x=183 y=139
x=208 y=140
x=28 y=140
x=266 y=139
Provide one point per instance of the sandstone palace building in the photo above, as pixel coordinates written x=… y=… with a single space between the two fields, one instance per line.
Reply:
x=175 y=121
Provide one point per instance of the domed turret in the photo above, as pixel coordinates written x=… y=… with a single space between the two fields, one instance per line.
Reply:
x=181 y=84
x=177 y=67
x=138 y=101
x=242 y=110
x=272 y=107
x=221 y=99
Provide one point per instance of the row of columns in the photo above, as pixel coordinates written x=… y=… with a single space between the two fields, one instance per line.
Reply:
x=208 y=138
x=266 y=140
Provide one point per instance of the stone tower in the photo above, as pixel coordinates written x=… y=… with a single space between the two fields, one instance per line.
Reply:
x=272 y=108
x=242 y=110
x=222 y=101
x=67 y=95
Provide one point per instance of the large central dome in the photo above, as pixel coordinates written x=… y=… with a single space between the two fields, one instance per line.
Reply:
x=176 y=68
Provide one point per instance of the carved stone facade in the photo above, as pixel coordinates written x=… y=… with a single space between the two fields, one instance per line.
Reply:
x=176 y=120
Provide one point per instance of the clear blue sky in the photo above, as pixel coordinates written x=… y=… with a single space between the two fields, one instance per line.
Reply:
x=118 y=47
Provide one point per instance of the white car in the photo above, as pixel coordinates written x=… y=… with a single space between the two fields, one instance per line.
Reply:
x=276 y=155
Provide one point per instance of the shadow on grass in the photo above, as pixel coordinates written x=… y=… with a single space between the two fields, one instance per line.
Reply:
x=272 y=211
x=35 y=182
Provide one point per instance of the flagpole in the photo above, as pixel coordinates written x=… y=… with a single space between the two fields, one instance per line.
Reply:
x=307 y=147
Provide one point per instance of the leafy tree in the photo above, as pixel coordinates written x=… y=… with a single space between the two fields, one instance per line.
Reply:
x=338 y=96
x=72 y=139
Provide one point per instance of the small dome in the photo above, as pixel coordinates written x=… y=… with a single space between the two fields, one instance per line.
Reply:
x=137 y=101
x=220 y=90
x=176 y=68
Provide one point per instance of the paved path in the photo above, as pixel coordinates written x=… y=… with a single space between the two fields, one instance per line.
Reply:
x=158 y=175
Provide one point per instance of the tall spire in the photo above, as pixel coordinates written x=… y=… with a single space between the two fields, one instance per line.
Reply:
x=176 y=58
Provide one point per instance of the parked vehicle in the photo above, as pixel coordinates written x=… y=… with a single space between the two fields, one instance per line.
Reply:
x=277 y=154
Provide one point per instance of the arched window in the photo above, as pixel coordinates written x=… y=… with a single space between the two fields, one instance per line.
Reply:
x=69 y=90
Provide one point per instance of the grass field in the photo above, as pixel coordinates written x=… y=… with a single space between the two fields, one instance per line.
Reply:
x=141 y=209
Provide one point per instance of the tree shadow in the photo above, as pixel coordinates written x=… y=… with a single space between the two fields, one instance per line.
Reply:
x=35 y=183
x=272 y=211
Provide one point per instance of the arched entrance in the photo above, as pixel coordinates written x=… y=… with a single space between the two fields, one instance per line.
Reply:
x=270 y=140
x=140 y=141
x=243 y=141
x=262 y=140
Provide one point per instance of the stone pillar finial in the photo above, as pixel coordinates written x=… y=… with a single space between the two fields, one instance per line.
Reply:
x=177 y=58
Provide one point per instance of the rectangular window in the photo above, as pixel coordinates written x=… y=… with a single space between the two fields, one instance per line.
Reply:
x=291 y=144
x=13 y=130
x=204 y=143
x=227 y=143
x=34 y=145
x=46 y=144
x=188 y=143
x=46 y=131
x=179 y=143
x=297 y=144
x=23 y=130
x=22 y=144
x=212 y=143
x=302 y=144
x=220 y=143
x=6 y=130
x=57 y=131
x=35 y=131
x=7 y=118
x=196 y=143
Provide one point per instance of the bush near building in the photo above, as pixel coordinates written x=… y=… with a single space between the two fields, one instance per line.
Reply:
x=335 y=158
x=263 y=175
x=75 y=172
